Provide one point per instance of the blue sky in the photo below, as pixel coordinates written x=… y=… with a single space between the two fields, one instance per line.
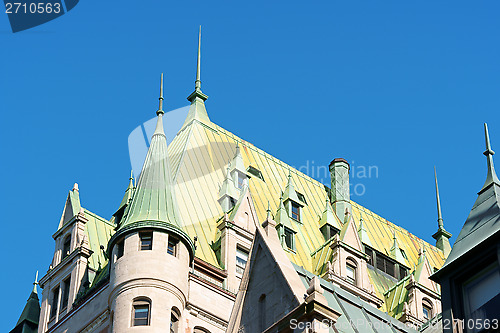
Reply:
x=399 y=85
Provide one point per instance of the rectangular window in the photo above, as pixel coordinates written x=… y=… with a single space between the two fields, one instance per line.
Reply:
x=120 y=249
x=241 y=260
x=53 y=305
x=289 y=239
x=141 y=314
x=369 y=252
x=146 y=241
x=66 y=246
x=402 y=272
x=385 y=265
x=65 y=293
x=172 y=246
x=427 y=312
x=241 y=180
x=351 y=273
x=380 y=262
x=295 y=211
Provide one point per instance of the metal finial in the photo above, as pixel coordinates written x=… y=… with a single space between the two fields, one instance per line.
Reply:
x=268 y=210
x=160 y=107
x=35 y=283
x=492 y=176
x=438 y=201
x=197 y=83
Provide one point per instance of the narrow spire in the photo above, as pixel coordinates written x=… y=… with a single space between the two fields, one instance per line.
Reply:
x=160 y=112
x=197 y=83
x=438 y=201
x=160 y=107
x=35 y=283
x=197 y=94
x=492 y=176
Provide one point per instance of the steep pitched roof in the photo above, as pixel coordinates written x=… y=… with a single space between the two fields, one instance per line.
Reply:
x=483 y=221
x=28 y=321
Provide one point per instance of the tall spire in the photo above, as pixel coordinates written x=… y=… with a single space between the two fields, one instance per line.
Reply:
x=197 y=98
x=438 y=201
x=160 y=107
x=492 y=176
x=153 y=204
x=441 y=236
x=197 y=83
x=160 y=112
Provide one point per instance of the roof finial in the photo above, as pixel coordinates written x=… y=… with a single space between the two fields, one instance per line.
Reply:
x=35 y=283
x=160 y=107
x=492 y=176
x=440 y=217
x=197 y=83
x=268 y=210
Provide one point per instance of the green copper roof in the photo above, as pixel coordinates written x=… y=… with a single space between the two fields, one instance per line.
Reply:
x=237 y=162
x=396 y=251
x=129 y=192
x=153 y=198
x=363 y=234
x=28 y=321
x=329 y=217
x=483 y=221
x=290 y=193
x=282 y=218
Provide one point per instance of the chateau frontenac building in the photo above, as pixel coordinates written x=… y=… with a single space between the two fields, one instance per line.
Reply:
x=216 y=235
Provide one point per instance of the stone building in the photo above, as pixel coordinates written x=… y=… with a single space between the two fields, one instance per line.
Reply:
x=217 y=235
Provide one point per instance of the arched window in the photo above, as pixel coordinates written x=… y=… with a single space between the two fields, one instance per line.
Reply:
x=199 y=329
x=351 y=270
x=141 y=312
x=175 y=316
x=66 y=246
x=427 y=309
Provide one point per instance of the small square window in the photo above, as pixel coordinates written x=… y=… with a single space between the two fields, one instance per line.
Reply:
x=172 y=246
x=146 y=241
x=295 y=211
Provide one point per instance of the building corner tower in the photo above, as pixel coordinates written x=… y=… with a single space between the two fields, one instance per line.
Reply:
x=149 y=254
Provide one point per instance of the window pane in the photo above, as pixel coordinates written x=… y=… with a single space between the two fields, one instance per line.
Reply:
x=389 y=268
x=427 y=312
x=146 y=241
x=65 y=294
x=120 y=249
x=351 y=273
x=241 y=181
x=295 y=211
x=241 y=260
x=141 y=315
x=289 y=238
x=53 y=306
x=171 y=247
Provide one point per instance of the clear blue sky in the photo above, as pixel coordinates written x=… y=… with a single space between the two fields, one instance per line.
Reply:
x=399 y=85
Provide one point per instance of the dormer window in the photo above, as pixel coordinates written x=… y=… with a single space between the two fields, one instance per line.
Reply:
x=241 y=180
x=351 y=272
x=290 y=239
x=295 y=211
x=66 y=246
x=427 y=309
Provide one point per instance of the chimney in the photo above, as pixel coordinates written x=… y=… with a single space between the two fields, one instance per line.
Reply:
x=339 y=194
